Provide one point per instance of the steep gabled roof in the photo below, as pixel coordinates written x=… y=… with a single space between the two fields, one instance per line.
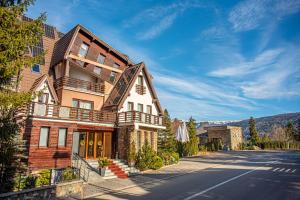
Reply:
x=39 y=81
x=123 y=86
x=64 y=44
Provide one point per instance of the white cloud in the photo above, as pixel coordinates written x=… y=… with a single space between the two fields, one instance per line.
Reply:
x=279 y=81
x=263 y=60
x=155 y=20
x=156 y=29
x=250 y=14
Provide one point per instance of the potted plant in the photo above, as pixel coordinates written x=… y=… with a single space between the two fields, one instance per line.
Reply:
x=103 y=163
x=131 y=154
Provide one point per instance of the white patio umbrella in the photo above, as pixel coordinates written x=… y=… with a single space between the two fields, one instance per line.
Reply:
x=185 y=134
x=178 y=133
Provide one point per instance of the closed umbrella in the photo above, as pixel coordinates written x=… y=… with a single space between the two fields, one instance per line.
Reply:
x=178 y=134
x=185 y=134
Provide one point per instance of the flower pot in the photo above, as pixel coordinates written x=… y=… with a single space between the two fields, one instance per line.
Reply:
x=102 y=171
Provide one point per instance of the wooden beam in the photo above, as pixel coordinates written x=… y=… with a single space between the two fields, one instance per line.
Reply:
x=94 y=63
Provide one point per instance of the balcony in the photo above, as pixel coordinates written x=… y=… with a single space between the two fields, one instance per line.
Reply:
x=70 y=113
x=139 y=117
x=79 y=84
x=140 y=89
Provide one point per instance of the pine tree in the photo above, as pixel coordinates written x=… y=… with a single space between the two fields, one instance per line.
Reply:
x=191 y=147
x=253 y=132
x=166 y=138
x=16 y=37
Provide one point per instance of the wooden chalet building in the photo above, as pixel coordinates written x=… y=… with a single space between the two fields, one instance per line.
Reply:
x=94 y=100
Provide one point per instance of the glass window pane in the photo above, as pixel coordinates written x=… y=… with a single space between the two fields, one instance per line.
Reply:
x=140 y=107
x=100 y=58
x=83 y=50
x=97 y=70
x=112 y=76
x=149 y=109
x=85 y=105
x=35 y=68
x=44 y=137
x=116 y=65
x=130 y=106
x=75 y=103
x=62 y=137
x=140 y=80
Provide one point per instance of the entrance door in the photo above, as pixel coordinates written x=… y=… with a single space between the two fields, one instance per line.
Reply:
x=99 y=144
x=82 y=145
x=107 y=144
x=90 y=145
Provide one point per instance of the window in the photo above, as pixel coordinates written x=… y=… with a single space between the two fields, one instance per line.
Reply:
x=100 y=58
x=140 y=80
x=97 y=70
x=140 y=107
x=36 y=68
x=62 y=135
x=112 y=76
x=149 y=109
x=130 y=106
x=83 y=50
x=49 y=31
x=82 y=104
x=43 y=98
x=116 y=65
x=44 y=136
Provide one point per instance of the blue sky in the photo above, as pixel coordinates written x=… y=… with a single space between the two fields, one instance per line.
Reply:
x=213 y=60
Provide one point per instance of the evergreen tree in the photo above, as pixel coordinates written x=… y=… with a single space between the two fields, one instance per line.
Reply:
x=16 y=37
x=253 y=132
x=166 y=137
x=191 y=147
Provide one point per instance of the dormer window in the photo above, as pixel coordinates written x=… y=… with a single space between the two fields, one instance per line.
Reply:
x=83 y=50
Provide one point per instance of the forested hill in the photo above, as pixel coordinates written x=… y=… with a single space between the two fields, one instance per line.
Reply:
x=264 y=124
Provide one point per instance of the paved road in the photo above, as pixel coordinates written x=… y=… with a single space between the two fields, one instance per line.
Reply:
x=234 y=175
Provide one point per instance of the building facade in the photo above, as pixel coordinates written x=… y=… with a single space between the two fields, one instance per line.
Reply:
x=231 y=136
x=92 y=101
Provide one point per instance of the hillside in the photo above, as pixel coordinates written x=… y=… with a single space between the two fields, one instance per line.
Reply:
x=264 y=124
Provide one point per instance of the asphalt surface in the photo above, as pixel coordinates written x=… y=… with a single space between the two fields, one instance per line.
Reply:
x=238 y=175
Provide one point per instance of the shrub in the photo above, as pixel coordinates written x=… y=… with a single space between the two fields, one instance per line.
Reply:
x=24 y=182
x=175 y=156
x=68 y=174
x=103 y=162
x=43 y=178
x=156 y=163
x=144 y=157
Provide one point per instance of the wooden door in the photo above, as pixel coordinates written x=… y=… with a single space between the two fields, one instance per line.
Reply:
x=107 y=144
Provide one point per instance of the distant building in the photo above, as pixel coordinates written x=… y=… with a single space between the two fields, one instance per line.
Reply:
x=231 y=136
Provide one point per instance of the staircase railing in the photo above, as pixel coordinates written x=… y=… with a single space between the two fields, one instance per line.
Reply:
x=82 y=165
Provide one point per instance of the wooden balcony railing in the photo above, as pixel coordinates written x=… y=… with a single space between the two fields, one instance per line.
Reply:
x=135 y=116
x=70 y=113
x=80 y=84
x=140 y=89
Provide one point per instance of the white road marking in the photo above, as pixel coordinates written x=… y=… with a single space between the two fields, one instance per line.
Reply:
x=282 y=169
x=293 y=170
x=274 y=170
x=222 y=183
x=287 y=170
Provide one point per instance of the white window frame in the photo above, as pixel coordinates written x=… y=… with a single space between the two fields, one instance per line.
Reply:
x=64 y=139
x=44 y=143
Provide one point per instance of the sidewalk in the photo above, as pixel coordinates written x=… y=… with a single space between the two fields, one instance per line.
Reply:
x=148 y=178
